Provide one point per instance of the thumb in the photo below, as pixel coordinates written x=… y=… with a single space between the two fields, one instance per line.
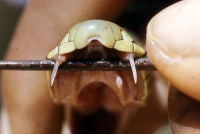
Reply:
x=173 y=45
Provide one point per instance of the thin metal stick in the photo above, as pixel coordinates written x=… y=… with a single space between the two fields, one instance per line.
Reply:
x=42 y=65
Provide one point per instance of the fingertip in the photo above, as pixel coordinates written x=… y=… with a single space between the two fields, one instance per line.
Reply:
x=173 y=45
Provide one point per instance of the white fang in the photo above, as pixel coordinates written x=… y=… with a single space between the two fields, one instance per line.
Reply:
x=132 y=63
x=54 y=72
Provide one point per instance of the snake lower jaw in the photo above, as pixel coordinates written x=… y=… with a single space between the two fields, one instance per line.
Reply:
x=91 y=90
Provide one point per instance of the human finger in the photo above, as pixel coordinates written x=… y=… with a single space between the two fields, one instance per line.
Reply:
x=173 y=45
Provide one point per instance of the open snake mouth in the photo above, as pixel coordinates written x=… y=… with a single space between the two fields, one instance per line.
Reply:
x=91 y=90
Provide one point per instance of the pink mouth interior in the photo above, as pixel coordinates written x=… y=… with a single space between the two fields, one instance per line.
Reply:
x=96 y=95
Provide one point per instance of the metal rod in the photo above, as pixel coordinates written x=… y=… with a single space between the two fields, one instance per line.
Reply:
x=42 y=65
